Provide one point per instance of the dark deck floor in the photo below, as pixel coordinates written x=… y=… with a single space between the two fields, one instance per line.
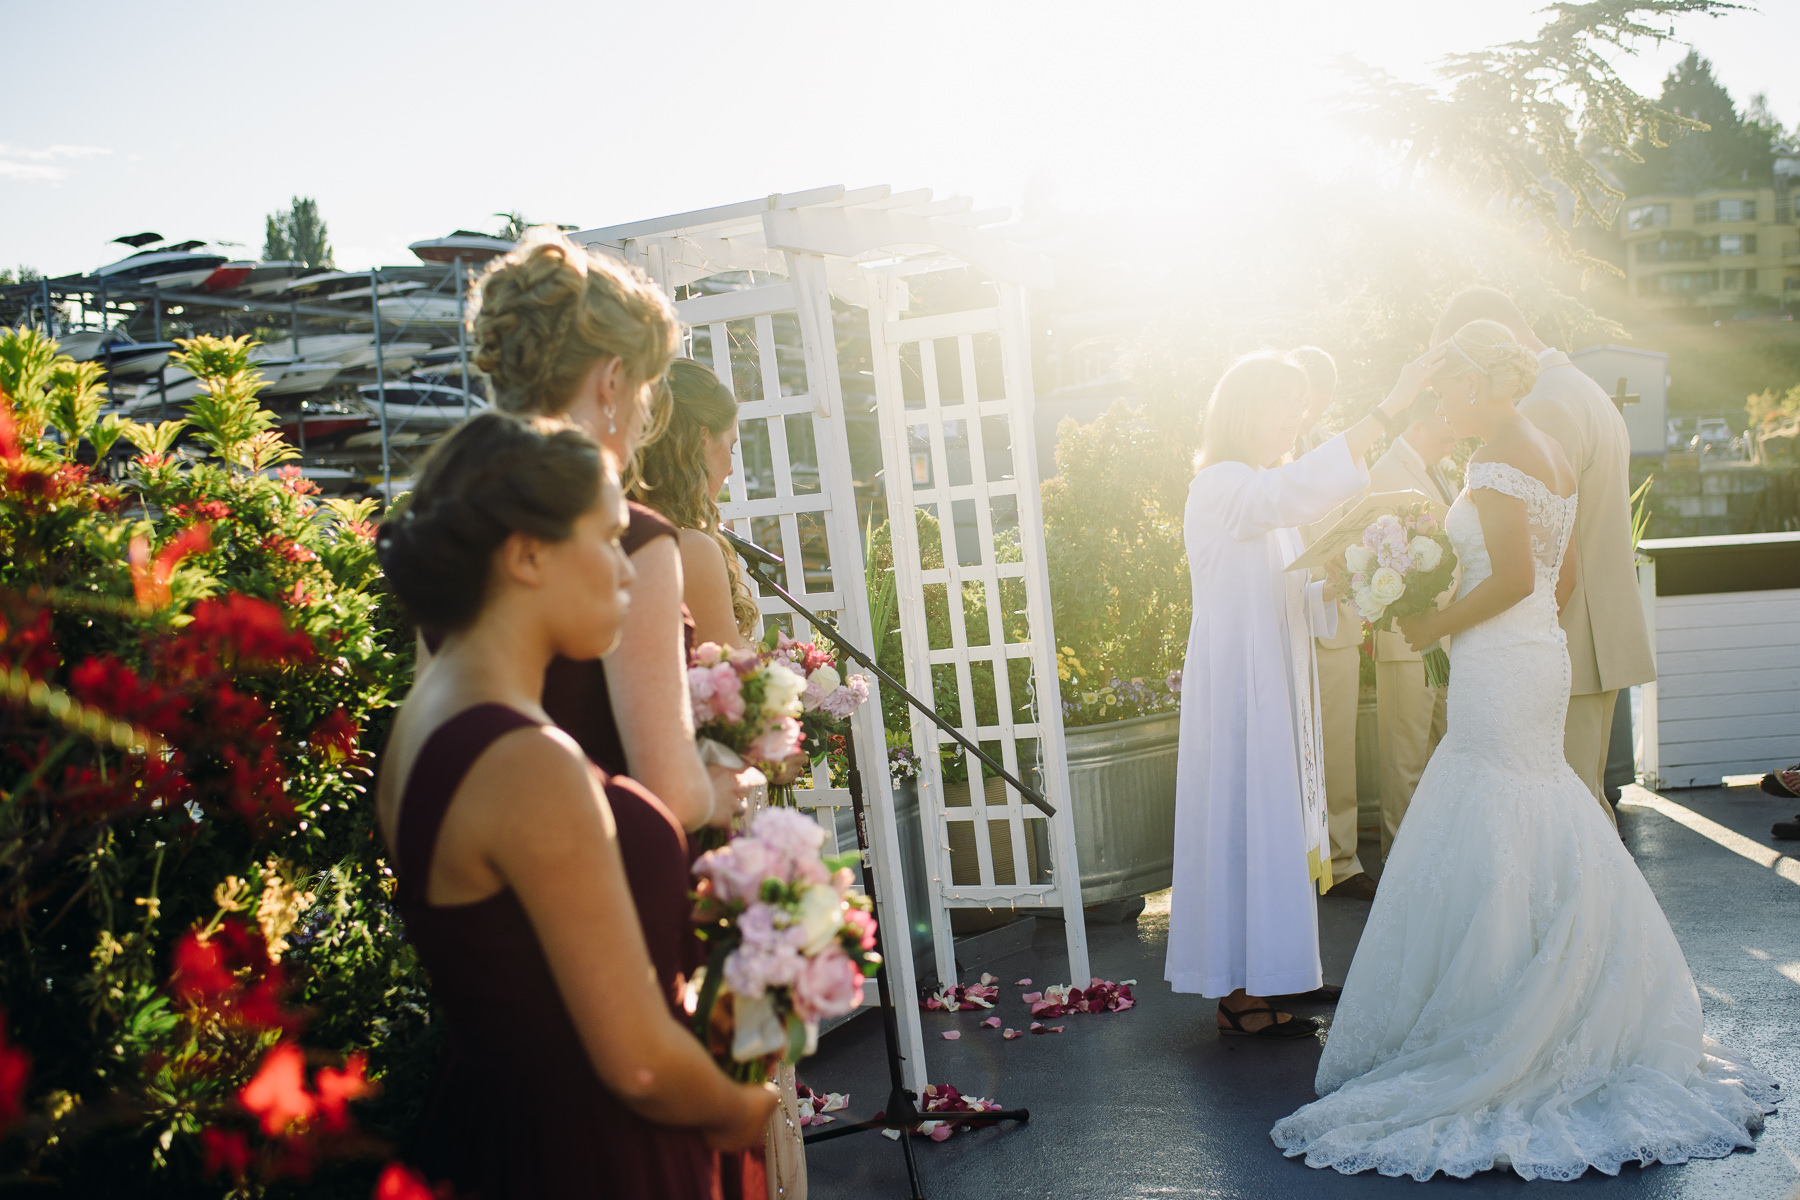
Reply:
x=1153 y=1103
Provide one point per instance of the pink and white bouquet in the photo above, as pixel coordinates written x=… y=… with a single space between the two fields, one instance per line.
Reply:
x=788 y=943
x=827 y=693
x=746 y=704
x=1403 y=563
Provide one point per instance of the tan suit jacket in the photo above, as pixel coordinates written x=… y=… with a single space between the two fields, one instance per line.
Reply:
x=1402 y=470
x=1609 y=647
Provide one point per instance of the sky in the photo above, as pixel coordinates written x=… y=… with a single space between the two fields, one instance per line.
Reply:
x=408 y=120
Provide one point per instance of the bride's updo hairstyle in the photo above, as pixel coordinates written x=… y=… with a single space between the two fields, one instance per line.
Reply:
x=1489 y=348
x=547 y=311
x=1229 y=431
x=495 y=476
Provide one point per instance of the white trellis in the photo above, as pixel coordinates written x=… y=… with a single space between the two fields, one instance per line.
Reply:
x=773 y=340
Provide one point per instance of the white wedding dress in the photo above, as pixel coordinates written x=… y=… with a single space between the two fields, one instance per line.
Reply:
x=1518 y=998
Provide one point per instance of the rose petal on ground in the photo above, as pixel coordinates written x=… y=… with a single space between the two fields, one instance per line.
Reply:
x=988 y=980
x=940 y=1133
x=992 y=1022
x=1032 y=997
x=1021 y=983
x=891 y=1134
x=952 y=1035
x=1010 y=1034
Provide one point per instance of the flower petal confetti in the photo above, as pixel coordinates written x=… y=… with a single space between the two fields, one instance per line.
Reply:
x=1022 y=982
x=992 y=1022
x=1010 y=1034
x=951 y=1035
x=960 y=996
x=1100 y=996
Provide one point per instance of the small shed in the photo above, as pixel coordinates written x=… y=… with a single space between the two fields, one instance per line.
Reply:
x=1646 y=375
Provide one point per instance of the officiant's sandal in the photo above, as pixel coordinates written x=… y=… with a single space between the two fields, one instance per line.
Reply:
x=1293 y=1027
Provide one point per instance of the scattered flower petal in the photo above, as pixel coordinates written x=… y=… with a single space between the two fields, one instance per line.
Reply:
x=951 y=1035
x=1010 y=1034
x=1022 y=982
x=1032 y=997
x=992 y=1022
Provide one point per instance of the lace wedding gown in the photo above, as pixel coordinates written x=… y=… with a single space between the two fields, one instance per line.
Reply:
x=1517 y=998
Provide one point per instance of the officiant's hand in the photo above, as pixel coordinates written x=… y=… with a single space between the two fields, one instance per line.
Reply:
x=1420 y=631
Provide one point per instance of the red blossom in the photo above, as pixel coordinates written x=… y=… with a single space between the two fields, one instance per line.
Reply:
x=227 y=1151
x=287 y=548
x=335 y=736
x=202 y=510
x=295 y=596
x=201 y=976
x=295 y=482
x=362 y=530
x=150 y=578
x=26 y=641
x=15 y=1069
x=9 y=431
x=254 y=631
x=336 y=1088
x=112 y=687
x=401 y=1182
x=277 y=1095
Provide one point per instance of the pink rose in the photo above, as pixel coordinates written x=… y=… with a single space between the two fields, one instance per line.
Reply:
x=778 y=742
x=737 y=870
x=864 y=924
x=727 y=693
x=828 y=986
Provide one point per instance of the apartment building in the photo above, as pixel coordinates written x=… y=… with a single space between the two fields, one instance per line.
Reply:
x=1716 y=247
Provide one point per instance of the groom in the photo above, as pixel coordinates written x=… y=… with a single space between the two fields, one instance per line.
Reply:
x=1609 y=646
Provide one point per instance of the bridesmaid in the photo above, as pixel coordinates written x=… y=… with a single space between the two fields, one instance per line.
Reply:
x=562 y=332
x=554 y=958
x=680 y=475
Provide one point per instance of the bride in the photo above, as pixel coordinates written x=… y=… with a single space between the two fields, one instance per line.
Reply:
x=1517 y=998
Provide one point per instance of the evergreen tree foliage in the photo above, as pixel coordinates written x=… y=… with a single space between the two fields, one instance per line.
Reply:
x=297 y=235
x=1726 y=149
x=1531 y=122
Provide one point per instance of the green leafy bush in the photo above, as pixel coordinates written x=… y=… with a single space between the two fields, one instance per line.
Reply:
x=195 y=659
x=1119 y=589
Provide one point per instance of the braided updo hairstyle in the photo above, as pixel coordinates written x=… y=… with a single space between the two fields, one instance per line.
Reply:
x=671 y=471
x=495 y=476
x=1491 y=349
x=546 y=312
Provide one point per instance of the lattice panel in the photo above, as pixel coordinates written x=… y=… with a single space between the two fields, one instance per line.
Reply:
x=968 y=543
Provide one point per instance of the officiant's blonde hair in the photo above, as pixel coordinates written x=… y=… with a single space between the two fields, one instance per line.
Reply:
x=1229 y=431
x=1491 y=349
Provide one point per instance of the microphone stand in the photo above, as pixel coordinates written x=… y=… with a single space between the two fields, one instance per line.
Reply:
x=902 y=1112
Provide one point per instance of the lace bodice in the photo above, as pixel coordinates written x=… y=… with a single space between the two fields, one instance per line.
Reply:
x=1551 y=518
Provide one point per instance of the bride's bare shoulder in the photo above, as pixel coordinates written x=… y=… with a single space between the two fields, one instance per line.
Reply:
x=1531 y=453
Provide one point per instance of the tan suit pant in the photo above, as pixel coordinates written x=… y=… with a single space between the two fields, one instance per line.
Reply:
x=1411 y=719
x=1337 y=720
x=1587 y=735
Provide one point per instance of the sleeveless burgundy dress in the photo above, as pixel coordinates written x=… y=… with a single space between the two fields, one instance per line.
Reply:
x=518 y=1110
x=576 y=694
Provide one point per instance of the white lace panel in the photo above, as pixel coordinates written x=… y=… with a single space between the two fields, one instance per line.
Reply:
x=1551 y=517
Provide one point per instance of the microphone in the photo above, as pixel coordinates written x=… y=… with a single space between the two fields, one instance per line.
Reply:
x=750 y=550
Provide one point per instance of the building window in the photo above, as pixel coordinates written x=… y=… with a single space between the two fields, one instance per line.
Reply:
x=1730 y=281
x=1668 y=250
x=1708 y=211
x=1647 y=216
x=1750 y=280
x=1731 y=243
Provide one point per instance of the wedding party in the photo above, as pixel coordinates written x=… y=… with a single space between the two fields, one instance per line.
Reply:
x=1220 y=618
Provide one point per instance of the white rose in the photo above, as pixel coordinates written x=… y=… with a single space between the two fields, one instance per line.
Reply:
x=826 y=679
x=1359 y=560
x=821 y=915
x=1386 y=585
x=781 y=692
x=1426 y=553
x=1367 y=605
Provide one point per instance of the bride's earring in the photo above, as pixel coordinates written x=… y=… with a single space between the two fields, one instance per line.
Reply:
x=612 y=426
x=1470 y=398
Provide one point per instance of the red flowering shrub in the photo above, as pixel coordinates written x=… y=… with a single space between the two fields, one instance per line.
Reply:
x=195 y=655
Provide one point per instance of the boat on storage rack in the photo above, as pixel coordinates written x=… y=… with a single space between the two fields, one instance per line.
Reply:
x=171 y=268
x=227 y=276
x=417 y=407
x=126 y=359
x=267 y=278
x=473 y=248
x=420 y=310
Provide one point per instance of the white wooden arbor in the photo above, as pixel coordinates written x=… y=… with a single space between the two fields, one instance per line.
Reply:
x=955 y=405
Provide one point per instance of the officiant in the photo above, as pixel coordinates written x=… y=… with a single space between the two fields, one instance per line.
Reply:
x=1250 y=828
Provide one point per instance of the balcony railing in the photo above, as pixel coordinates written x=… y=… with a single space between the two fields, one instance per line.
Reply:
x=1649 y=254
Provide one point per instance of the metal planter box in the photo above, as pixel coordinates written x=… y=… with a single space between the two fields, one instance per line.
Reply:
x=1122 y=786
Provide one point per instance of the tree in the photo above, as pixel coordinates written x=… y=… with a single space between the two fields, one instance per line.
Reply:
x=21 y=274
x=298 y=235
x=1724 y=148
x=1531 y=121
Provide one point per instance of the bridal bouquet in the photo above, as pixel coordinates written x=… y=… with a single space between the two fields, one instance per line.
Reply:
x=1399 y=569
x=788 y=944
x=829 y=698
x=746 y=706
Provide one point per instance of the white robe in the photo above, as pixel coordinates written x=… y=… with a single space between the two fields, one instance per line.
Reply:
x=1249 y=786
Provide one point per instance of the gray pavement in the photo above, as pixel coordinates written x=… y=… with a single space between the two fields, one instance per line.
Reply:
x=1153 y=1103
